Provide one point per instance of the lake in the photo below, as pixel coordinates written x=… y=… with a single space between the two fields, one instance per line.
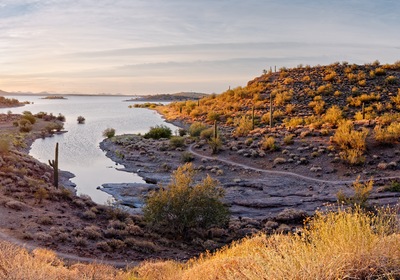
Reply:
x=79 y=150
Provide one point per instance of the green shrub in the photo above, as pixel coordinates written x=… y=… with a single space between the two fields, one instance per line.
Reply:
x=213 y=116
x=24 y=125
x=182 y=132
x=185 y=205
x=4 y=145
x=177 y=141
x=53 y=126
x=207 y=133
x=81 y=120
x=109 y=132
x=29 y=117
x=158 y=132
x=196 y=128
x=393 y=187
x=187 y=157
x=61 y=117
x=215 y=144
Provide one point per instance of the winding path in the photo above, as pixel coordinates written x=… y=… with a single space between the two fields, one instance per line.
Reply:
x=283 y=173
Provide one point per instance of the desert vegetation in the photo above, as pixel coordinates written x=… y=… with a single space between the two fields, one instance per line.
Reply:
x=333 y=245
x=81 y=120
x=9 y=102
x=351 y=110
x=309 y=130
x=109 y=132
x=184 y=205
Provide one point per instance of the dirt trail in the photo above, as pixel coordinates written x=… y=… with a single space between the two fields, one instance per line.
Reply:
x=283 y=173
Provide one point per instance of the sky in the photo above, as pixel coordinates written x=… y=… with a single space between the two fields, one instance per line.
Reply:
x=167 y=46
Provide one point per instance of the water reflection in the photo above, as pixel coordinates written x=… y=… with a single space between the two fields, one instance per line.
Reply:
x=79 y=150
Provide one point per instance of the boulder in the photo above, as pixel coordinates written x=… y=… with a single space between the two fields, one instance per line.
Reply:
x=279 y=160
x=291 y=215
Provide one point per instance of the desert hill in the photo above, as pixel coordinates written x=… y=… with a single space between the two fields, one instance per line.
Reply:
x=304 y=92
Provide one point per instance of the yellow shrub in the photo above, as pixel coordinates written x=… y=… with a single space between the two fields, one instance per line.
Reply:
x=306 y=79
x=351 y=142
x=268 y=143
x=244 y=126
x=387 y=135
x=342 y=245
x=396 y=100
x=325 y=89
x=333 y=115
x=293 y=122
x=330 y=77
x=290 y=108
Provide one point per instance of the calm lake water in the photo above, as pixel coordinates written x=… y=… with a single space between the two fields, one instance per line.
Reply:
x=79 y=150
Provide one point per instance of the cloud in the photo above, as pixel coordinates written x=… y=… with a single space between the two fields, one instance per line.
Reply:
x=138 y=42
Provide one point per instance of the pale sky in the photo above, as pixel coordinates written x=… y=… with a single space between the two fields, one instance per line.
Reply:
x=167 y=46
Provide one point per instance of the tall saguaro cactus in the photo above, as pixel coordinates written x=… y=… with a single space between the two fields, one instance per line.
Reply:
x=363 y=111
x=271 y=123
x=215 y=130
x=252 y=118
x=54 y=163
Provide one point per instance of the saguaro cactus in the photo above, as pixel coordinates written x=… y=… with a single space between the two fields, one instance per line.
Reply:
x=215 y=130
x=215 y=141
x=271 y=123
x=363 y=111
x=54 y=163
x=252 y=118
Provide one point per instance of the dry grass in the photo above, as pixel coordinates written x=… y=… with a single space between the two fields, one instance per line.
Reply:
x=389 y=134
x=343 y=245
x=18 y=263
x=351 y=142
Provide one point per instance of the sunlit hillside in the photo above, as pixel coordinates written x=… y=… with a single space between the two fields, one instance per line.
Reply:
x=306 y=92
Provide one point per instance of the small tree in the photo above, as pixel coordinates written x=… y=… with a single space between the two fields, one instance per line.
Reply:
x=185 y=205
x=81 y=120
x=109 y=132
x=196 y=128
x=159 y=131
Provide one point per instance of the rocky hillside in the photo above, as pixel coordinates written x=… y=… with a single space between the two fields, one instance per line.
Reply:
x=331 y=123
x=303 y=92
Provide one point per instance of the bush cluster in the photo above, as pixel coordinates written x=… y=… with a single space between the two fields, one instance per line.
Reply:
x=351 y=142
x=185 y=204
x=158 y=132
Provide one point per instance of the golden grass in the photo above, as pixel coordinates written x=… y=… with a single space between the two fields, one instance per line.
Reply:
x=351 y=142
x=41 y=264
x=343 y=245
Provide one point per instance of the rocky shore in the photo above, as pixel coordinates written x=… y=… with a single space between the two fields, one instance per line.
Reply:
x=252 y=190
